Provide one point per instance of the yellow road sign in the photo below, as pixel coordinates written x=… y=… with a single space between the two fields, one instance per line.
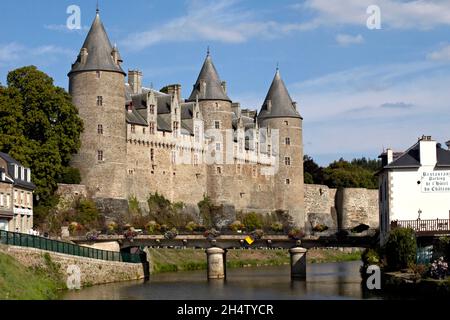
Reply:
x=249 y=240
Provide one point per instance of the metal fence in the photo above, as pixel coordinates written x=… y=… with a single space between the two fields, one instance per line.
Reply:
x=25 y=240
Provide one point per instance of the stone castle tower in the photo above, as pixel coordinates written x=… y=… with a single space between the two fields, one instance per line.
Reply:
x=135 y=137
x=97 y=87
x=279 y=112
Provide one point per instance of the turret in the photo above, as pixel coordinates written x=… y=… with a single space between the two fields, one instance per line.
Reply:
x=279 y=113
x=96 y=84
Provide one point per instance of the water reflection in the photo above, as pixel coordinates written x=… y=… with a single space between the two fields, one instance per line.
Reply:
x=324 y=281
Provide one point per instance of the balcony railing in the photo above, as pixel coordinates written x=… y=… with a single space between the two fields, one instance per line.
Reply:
x=425 y=227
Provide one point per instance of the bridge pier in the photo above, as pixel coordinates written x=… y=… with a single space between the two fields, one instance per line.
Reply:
x=298 y=262
x=216 y=263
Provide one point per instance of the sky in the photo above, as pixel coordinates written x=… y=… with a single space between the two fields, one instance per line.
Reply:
x=360 y=90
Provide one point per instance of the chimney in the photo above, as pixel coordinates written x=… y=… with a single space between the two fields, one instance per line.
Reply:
x=390 y=155
x=83 y=55
x=135 y=81
x=448 y=144
x=224 y=86
x=175 y=91
x=428 y=153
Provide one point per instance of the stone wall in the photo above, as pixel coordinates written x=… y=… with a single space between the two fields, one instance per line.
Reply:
x=344 y=208
x=93 y=271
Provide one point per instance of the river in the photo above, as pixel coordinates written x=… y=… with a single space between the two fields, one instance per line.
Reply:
x=324 y=281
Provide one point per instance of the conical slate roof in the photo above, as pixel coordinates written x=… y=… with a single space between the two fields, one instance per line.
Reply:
x=282 y=104
x=99 y=51
x=212 y=85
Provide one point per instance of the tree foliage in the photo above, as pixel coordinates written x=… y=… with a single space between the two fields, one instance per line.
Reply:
x=359 y=173
x=39 y=126
x=400 y=248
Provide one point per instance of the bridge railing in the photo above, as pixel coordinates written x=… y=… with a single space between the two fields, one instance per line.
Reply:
x=435 y=226
x=30 y=241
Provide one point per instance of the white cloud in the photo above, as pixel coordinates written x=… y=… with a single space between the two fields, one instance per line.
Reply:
x=416 y=14
x=63 y=28
x=347 y=39
x=13 y=53
x=361 y=110
x=442 y=54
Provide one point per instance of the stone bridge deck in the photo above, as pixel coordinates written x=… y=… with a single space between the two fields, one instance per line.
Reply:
x=233 y=241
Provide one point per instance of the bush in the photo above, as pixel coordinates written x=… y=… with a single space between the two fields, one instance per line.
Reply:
x=87 y=212
x=236 y=226
x=370 y=257
x=191 y=226
x=296 y=234
x=257 y=234
x=277 y=227
x=443 y=247
x=152 y=227
x=252 y=221
x=171 y=234
x=70 y=175
x=211 y=234
x=206 y=207
x=400 y=249
x=320 y=228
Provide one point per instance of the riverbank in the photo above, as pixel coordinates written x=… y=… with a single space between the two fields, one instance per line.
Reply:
x=18 y=282
x=172 y=260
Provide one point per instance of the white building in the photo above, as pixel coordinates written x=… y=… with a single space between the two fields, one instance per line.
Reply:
x=415 y=189
x=16 y=196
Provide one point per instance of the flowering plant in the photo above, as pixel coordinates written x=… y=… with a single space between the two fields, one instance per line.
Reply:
x=171 y=234
x=92 y=235
x=211 y=234
x=439 y=269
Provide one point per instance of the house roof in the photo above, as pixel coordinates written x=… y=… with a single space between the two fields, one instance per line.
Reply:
x=99 y=50
x=21 y=181
x=212 y=85
x=282 y=104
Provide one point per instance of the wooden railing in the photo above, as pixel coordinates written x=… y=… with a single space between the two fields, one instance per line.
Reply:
x=436 y=226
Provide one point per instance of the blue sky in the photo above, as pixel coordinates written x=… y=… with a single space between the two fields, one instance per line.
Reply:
x=359 y=90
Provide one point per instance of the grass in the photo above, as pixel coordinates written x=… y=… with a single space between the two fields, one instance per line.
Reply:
x=171 y=260
x=18 y=282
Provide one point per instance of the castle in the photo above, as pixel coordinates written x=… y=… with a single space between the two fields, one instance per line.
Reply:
x=138 y=140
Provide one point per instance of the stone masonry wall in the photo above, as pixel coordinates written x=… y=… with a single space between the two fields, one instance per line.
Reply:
x=93 y=271
x=344 y=208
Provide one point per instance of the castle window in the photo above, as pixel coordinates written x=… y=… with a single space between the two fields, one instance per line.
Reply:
x=143 y=130
x=287 y=161
x=288 y=181
x=219 y=170
x=197 y=115
x=176 y=126
x=100 y=155
x=269 y=150
x=174 y=157
x=98 y=74
x=133 y=128
x=152 y=154
x=286 y=123
x=288 y=141
x=218 y=146
x=195 y=160
x=100 y=129
x=217 y=125
x=241 y=145
x=152 y=109
x=152 y=128
x=257 y=148
x=197 y=134
x=217 y=106
x=99 y=101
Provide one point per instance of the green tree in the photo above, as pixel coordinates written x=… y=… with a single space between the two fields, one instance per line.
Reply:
x=39 y=126
x=344 y=174
x=401 y=248
x=312 y=171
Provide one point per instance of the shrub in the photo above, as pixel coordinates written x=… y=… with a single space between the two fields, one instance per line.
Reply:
x=320 y=228
x=70 y=175
x=443 y=247
x=211 y=234
x=92 y=235
x=257 y=234
x=370 y=257
x=112 y=227
x=252 y=221
x=296 y=234
x=191 y=226
x=236 y=226
x=152 y=227
x=277 y=227
x=420 y=270
x=206 y=207
x=87 y=212
x=171 y=234
x=400 y=248
x=439 y=269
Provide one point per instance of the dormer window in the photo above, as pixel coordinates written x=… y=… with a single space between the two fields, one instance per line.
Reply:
x=152 y=109
x=133 y=128
x=16 y=172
